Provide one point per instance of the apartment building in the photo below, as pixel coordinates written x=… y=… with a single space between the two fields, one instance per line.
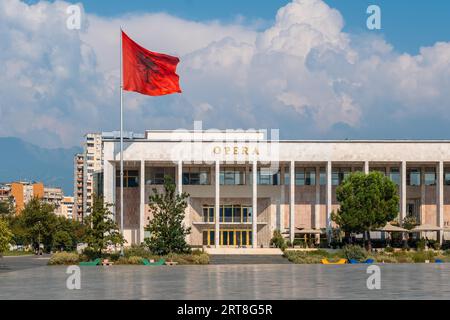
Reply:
x=78 y=174
x=87 y=167
x=67 y=205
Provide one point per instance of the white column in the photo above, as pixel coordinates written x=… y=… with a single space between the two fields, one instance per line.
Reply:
x=142 y=207
x=109 y=184
x=255 y=205
x=180 y=176
x=403 y=192
x=317 y=204
x=217 y=205
x=440 y=198
x=329 y=202
x=366 y=167
x=292 y=201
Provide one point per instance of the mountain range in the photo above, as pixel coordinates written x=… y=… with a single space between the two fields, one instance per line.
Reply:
x=20 y=160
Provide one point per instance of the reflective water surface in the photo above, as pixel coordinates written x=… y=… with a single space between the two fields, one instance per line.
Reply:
x=403 y=281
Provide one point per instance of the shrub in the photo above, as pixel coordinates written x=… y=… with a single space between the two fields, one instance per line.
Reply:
x=421 y=256
x=403 y=257
x=389 y=249
x=189 y=258
x=278 y=240
x=445 y=245
x=129 y=260
x=354 y=252
x=64 y=258
x=420 y=245
x=197 y=252
x=384 y=258
x=137 y=250
x=90 y=254
x=436 y=245
x=306 y=257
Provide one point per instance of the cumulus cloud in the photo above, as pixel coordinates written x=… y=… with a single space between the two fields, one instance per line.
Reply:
x=302 y=74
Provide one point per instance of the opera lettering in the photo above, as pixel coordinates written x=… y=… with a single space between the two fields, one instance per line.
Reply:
x=236 y=150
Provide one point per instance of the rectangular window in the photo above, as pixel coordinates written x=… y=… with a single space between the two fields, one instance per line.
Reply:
x=339 y=175
x=394 y=175
x=130 y=178
x=323 y=177
x=245 y=215
x=310 y=176
x=205 y=238
x=228 y=214
x=430 y=177
x=305 y=176
x=287 y=180
x=212 y=237
x=413 y=177
x=299 y=176
x=267 y=177
x=232 y=176
x=447 y=177
x=237 y=214
x=335 y=177
x=156 y=175
x=196 y=176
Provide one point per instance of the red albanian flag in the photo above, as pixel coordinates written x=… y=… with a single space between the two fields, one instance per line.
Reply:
x=147 y=72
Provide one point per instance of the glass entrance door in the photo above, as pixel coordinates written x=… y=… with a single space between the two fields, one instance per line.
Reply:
x=229 y=237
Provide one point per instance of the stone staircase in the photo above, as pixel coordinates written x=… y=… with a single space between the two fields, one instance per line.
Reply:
x=247 y=259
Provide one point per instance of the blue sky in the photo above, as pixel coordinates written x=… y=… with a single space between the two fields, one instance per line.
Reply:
x=407 y=24
x=315 y=72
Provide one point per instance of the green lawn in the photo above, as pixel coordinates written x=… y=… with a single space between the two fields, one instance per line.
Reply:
x=17 y=253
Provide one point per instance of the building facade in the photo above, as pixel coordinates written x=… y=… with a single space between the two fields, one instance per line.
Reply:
x=88 y=167
x=93 y=163
x=20 y=193
x=295 y=189
x=78 y=174
x=67 y=204
x=53 y=196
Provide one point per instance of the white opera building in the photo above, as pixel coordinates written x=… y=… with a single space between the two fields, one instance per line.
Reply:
x=296 y=181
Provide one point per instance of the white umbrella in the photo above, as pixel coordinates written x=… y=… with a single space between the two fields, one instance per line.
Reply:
x=391 y=228
x=308 y=231
x=426 y=228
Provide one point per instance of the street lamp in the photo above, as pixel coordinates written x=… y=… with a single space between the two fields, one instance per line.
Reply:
x=39 y=238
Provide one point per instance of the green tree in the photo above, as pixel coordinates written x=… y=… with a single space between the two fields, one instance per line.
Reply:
x=101 y=230
x=409 y=222
x=68 y=233
x=167 y=231
x=367 y=202
x=62 y=240
x=38 y=221
x=5 y=236
x=6 y=208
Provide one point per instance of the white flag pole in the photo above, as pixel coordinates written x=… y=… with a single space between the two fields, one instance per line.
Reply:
x=121 y=142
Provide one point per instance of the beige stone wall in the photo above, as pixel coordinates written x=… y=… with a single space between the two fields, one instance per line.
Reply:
x=265 y=214
x=131 y=197
x=447 y=207
x=305 y=199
